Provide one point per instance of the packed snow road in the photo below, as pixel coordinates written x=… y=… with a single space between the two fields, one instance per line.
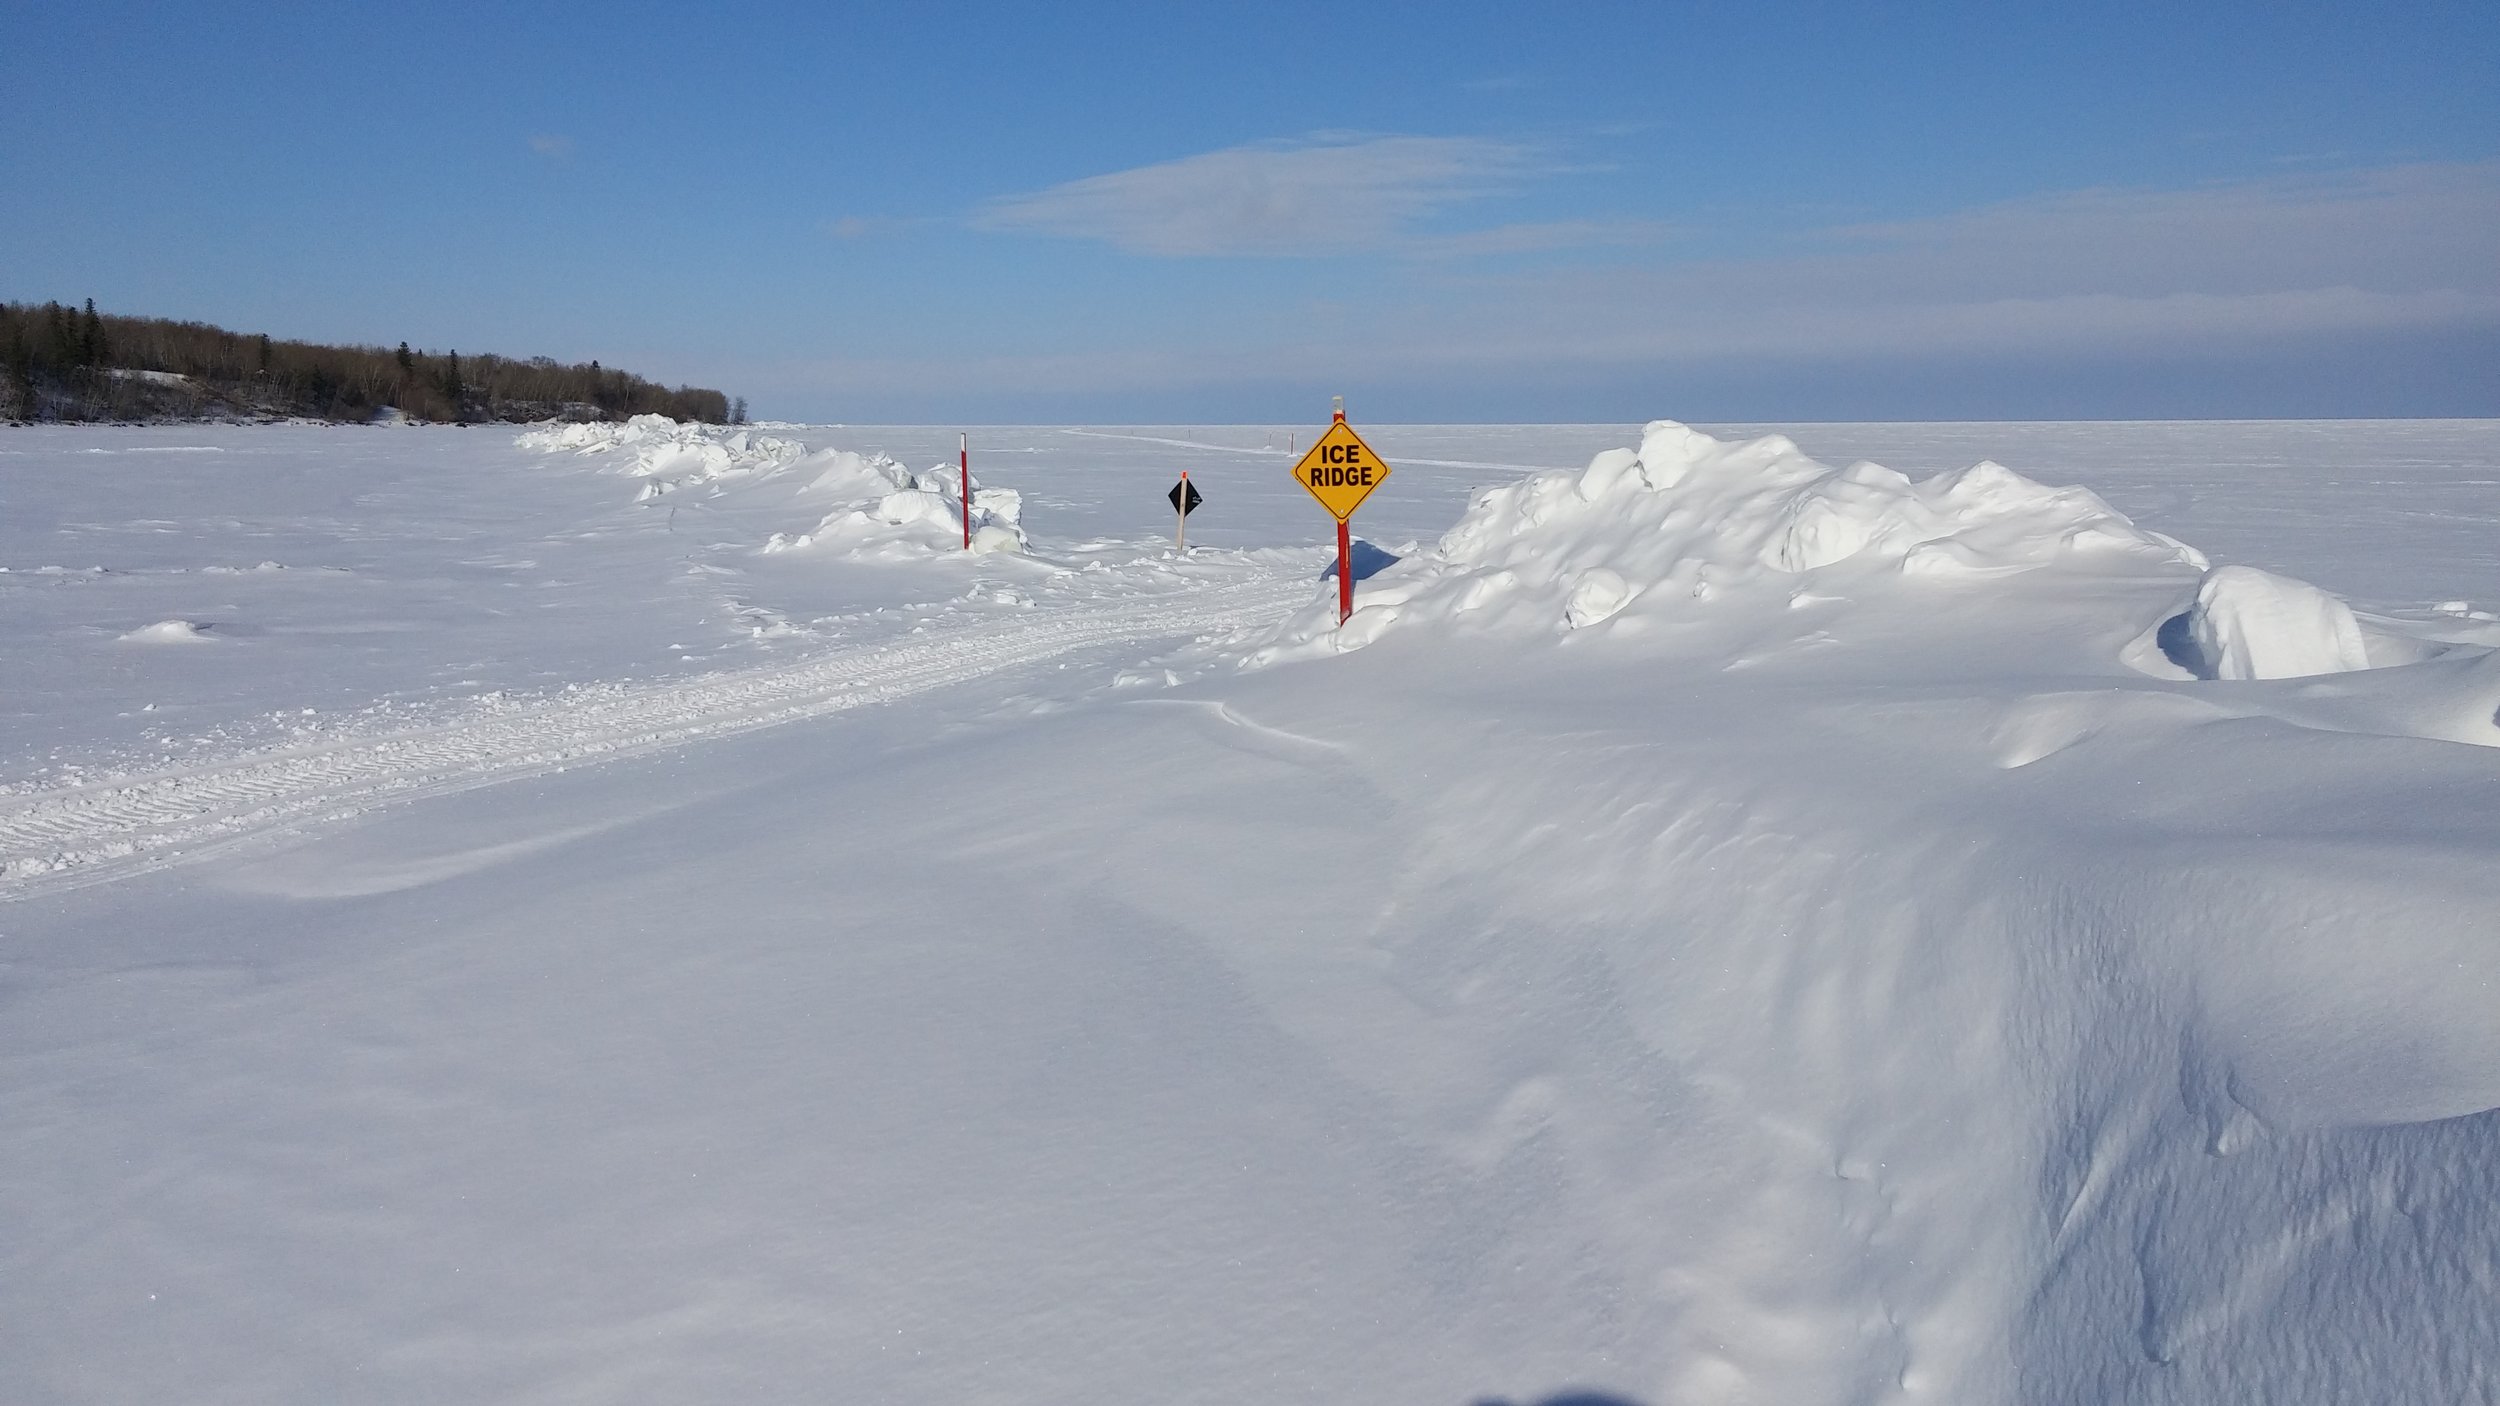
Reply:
x=217 y=632
x=99 y=828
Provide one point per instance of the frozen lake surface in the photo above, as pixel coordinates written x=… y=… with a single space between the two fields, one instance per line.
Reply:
x=642 y=915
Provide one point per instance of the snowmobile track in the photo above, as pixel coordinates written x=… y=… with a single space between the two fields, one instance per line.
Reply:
x=114 y=826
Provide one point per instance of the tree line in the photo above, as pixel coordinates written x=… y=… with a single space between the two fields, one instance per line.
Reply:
x=60 y=363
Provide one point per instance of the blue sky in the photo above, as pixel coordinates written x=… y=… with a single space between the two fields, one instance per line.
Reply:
x=987 y=213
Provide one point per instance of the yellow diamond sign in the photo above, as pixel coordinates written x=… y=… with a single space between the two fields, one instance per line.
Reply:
x=1341 y=471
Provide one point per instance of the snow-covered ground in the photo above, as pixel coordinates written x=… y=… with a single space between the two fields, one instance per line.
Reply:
x=641 y=915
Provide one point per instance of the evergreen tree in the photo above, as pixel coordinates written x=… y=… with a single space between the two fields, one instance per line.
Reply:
x=60 y=350
x=21 y=371
x=53 y=356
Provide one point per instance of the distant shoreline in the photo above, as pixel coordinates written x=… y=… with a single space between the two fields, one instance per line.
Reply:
x=63 y=365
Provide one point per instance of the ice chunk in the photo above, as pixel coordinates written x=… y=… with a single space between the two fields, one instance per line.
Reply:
x=1608 y=469
x=1668 y=450
x=1823 y=529
x=1000 y=505
x=168 y=632
x=2252 y=624
x=1596 y=596
x=911 y=505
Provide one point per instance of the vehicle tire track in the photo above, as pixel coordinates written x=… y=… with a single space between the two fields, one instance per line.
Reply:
x=105 y=828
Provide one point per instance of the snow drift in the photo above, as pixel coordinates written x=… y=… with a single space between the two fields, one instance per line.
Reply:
x=2074 y=1023
x=1692 y=531
x=1688 y=518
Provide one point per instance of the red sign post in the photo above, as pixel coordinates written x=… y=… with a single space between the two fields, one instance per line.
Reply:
x=963 y=443
x=1345 y=572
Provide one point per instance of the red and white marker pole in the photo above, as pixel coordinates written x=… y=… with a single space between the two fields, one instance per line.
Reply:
x=1180 y=518
x=963 y=443
x=1345 y=553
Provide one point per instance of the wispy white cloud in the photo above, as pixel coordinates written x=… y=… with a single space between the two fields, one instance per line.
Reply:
x=1322 y=195
x=552 y=146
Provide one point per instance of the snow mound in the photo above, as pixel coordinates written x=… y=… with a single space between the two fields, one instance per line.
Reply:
x=168 y=632
x=899 y=515
x=849 y=475
x=1687 y=518
x=669 y=454
x=2251 y=624
x=881 y=509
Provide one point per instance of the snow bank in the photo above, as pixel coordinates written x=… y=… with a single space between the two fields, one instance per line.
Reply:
x=907 y=515
x=669 y=454
x=1759 y=539
x=1687 y=518
x=885 y=510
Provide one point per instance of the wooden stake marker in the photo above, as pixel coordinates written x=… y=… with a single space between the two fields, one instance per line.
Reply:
x=1184 y=498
